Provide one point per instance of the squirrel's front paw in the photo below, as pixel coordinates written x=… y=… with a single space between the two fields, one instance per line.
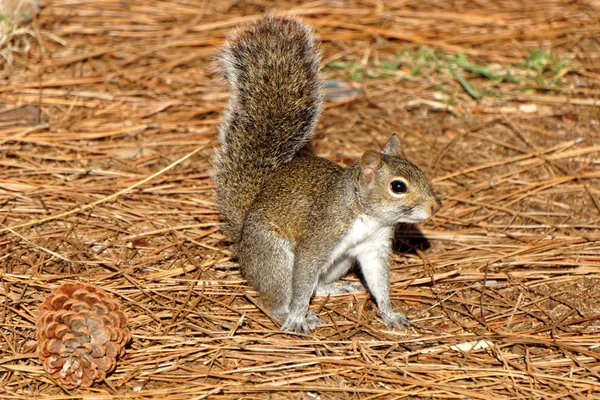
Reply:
x=305 y=323
x=396 y=320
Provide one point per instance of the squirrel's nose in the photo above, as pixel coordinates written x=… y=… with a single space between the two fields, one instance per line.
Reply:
x=435 y=206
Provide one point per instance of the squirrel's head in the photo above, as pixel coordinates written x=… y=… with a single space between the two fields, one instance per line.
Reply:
x=392 y=189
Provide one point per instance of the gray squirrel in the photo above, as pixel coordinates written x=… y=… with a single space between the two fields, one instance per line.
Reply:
x=299 y=223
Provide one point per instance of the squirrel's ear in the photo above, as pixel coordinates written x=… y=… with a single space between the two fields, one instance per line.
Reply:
x=370 y=162
x=392 y=147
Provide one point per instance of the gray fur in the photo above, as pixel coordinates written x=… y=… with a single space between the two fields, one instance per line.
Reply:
x=300 y=223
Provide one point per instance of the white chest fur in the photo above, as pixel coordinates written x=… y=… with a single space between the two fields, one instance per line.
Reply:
x=365 y=236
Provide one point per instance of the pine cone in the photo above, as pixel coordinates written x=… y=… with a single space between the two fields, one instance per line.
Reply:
x=81 y=331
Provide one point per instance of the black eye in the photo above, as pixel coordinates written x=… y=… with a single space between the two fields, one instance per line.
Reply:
x=398 y=186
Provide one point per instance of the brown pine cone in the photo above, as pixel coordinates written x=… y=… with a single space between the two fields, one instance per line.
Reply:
x=81 y=331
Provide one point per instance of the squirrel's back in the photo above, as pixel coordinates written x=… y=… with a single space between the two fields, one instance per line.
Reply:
x=275 y=102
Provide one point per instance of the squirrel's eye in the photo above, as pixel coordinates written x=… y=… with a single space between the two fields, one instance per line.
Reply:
x=398 y=186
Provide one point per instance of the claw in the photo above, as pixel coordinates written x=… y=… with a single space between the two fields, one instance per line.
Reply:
x=396 y=320
x=306 y=324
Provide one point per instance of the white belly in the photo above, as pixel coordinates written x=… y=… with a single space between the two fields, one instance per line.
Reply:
x=366 y=235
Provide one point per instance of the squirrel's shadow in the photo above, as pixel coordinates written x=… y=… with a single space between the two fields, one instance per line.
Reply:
x=408 y=239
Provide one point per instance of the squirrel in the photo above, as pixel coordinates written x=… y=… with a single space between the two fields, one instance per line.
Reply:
x=299 y=223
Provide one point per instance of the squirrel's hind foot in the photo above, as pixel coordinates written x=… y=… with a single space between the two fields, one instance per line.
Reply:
x=335 y=288
x=396 y=320
x=305 y=324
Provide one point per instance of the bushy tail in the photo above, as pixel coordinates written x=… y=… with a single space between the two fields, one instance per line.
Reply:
x=273 y=67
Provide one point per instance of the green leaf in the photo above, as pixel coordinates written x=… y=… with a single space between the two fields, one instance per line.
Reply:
x=416 y=70
x=390 y=65
x=339 y=64
x=471 y=90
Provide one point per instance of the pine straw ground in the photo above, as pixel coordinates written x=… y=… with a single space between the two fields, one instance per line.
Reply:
x=111 y=109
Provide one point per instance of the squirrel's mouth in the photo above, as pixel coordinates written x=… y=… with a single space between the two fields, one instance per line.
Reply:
x=419 y=214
